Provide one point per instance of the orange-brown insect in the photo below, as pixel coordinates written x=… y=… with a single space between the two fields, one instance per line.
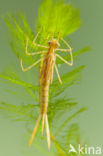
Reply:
x=46 y=77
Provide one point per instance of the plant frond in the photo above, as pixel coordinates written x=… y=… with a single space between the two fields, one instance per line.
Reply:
x=58 y=17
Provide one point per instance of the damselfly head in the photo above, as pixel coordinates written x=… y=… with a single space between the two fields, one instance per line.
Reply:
x=54 y=43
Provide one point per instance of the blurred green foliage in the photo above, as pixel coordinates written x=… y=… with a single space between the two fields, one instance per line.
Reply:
x=59 y=17
x=53 y=17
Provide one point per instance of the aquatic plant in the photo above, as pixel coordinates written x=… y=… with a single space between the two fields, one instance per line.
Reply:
x=54 y=17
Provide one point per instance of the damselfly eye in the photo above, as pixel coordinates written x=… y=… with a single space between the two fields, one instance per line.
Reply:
x=49 y=42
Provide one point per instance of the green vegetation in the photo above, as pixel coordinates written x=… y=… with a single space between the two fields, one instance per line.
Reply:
x=53 y=17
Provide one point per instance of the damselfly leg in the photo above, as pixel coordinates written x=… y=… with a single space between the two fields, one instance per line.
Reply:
x=26 y=69
x=34 y=42
x=58 y=73
x=66 y=50
x=34 y=53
